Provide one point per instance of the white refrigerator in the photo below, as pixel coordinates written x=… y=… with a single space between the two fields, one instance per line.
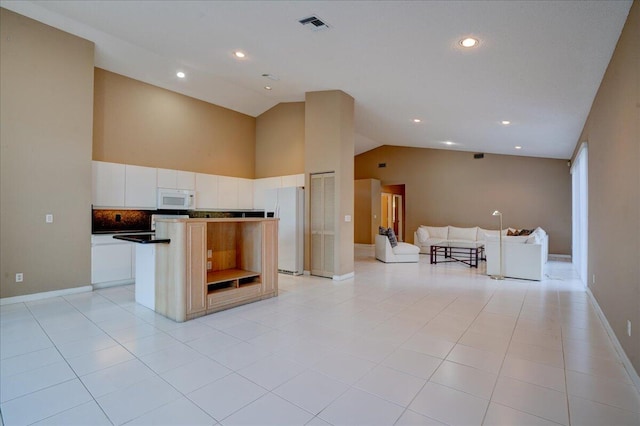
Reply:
x=287 y=204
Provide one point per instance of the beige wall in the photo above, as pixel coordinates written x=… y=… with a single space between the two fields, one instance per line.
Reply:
x=452 y=188
x=366 y=208
x=280 y=141
x=46 y=82
x=612 y=132
x=137 y=123
x=329 y=142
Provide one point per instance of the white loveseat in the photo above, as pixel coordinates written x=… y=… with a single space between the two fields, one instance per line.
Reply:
x=522 y=256
x=403 y=252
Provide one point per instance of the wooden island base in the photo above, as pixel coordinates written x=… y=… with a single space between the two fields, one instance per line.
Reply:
x=214 y=264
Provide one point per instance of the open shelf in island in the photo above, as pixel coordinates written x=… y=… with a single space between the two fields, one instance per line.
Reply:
x=227 y=279
x=242 y=251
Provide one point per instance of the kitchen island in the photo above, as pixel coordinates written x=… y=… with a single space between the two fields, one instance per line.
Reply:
x=213 y=264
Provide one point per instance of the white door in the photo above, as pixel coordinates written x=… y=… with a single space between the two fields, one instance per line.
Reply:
x=580 y=213
x=397 y=216
x=322 y=209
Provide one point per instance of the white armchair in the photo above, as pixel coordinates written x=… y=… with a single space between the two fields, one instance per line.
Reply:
x=403 y=252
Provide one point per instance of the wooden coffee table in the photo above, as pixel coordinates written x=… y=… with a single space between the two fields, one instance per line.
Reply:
x=449 y=251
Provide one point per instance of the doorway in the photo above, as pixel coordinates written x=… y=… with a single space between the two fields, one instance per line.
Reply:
x=392 y=209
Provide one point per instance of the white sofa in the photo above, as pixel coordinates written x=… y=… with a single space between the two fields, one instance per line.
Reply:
x=426 y=236
x=522 y=256
x=403 y=252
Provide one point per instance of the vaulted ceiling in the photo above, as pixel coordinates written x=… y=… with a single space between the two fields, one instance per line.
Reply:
x=538 y=64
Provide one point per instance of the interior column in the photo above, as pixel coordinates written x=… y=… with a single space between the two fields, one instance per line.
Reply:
x=329 y=147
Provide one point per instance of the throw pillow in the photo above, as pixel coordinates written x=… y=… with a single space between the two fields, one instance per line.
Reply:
x=525 y=232
x=392 y=237
x=382 y=230
x=423 y=235
x=513 y=233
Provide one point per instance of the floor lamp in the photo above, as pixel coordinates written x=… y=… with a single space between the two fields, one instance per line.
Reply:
x=501 y=275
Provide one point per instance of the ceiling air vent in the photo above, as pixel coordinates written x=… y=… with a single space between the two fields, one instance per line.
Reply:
x=477 y=156
x=314 y=23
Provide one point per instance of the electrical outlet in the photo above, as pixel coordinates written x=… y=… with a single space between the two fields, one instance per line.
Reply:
x=209 y=253
x=19 y=277
x=48 y=218
x=629 y=328
x=593 y=279
x=209 y=265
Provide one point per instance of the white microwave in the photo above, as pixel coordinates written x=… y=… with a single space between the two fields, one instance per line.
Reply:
x=176 y=199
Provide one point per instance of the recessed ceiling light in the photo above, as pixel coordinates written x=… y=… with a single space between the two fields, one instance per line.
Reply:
x=239 y=54
x=505 y=122
x=448 y=143
x=469 y=42
x=417 y=120
x=180 y=74
x=518 y=147
x=267 y=87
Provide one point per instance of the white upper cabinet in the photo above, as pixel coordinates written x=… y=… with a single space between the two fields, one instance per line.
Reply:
x=245 y=194
x=107 y=184
x=185 y=180
x=140 y=187
x=117 y=185
x=227 y=192
x=176 y=179
x=206 y=191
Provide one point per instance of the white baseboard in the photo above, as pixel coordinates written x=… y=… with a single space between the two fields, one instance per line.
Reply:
x=633 y=374
x=344 y=276
x=306 y=273
x=44 y=295
x=112 y=284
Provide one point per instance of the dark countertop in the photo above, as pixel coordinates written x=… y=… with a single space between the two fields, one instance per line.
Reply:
x=142 y=239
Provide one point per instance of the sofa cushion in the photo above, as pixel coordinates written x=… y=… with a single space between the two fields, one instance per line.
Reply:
x=463 y=234
x=438 y=232
x=423 y=234
x=540 y=231
x=534 y=238
x=406 y=248
x=482 y=233
x=516 y=239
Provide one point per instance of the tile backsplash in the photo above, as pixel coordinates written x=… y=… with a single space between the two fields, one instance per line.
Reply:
x=110 y=221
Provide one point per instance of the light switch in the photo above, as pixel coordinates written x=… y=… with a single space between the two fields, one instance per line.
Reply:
x=347 y=218
x=48 y=218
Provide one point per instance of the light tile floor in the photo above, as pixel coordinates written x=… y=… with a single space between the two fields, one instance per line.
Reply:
x=403 y=344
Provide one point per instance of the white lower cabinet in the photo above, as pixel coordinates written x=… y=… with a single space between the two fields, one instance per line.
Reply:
x=112 y=261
